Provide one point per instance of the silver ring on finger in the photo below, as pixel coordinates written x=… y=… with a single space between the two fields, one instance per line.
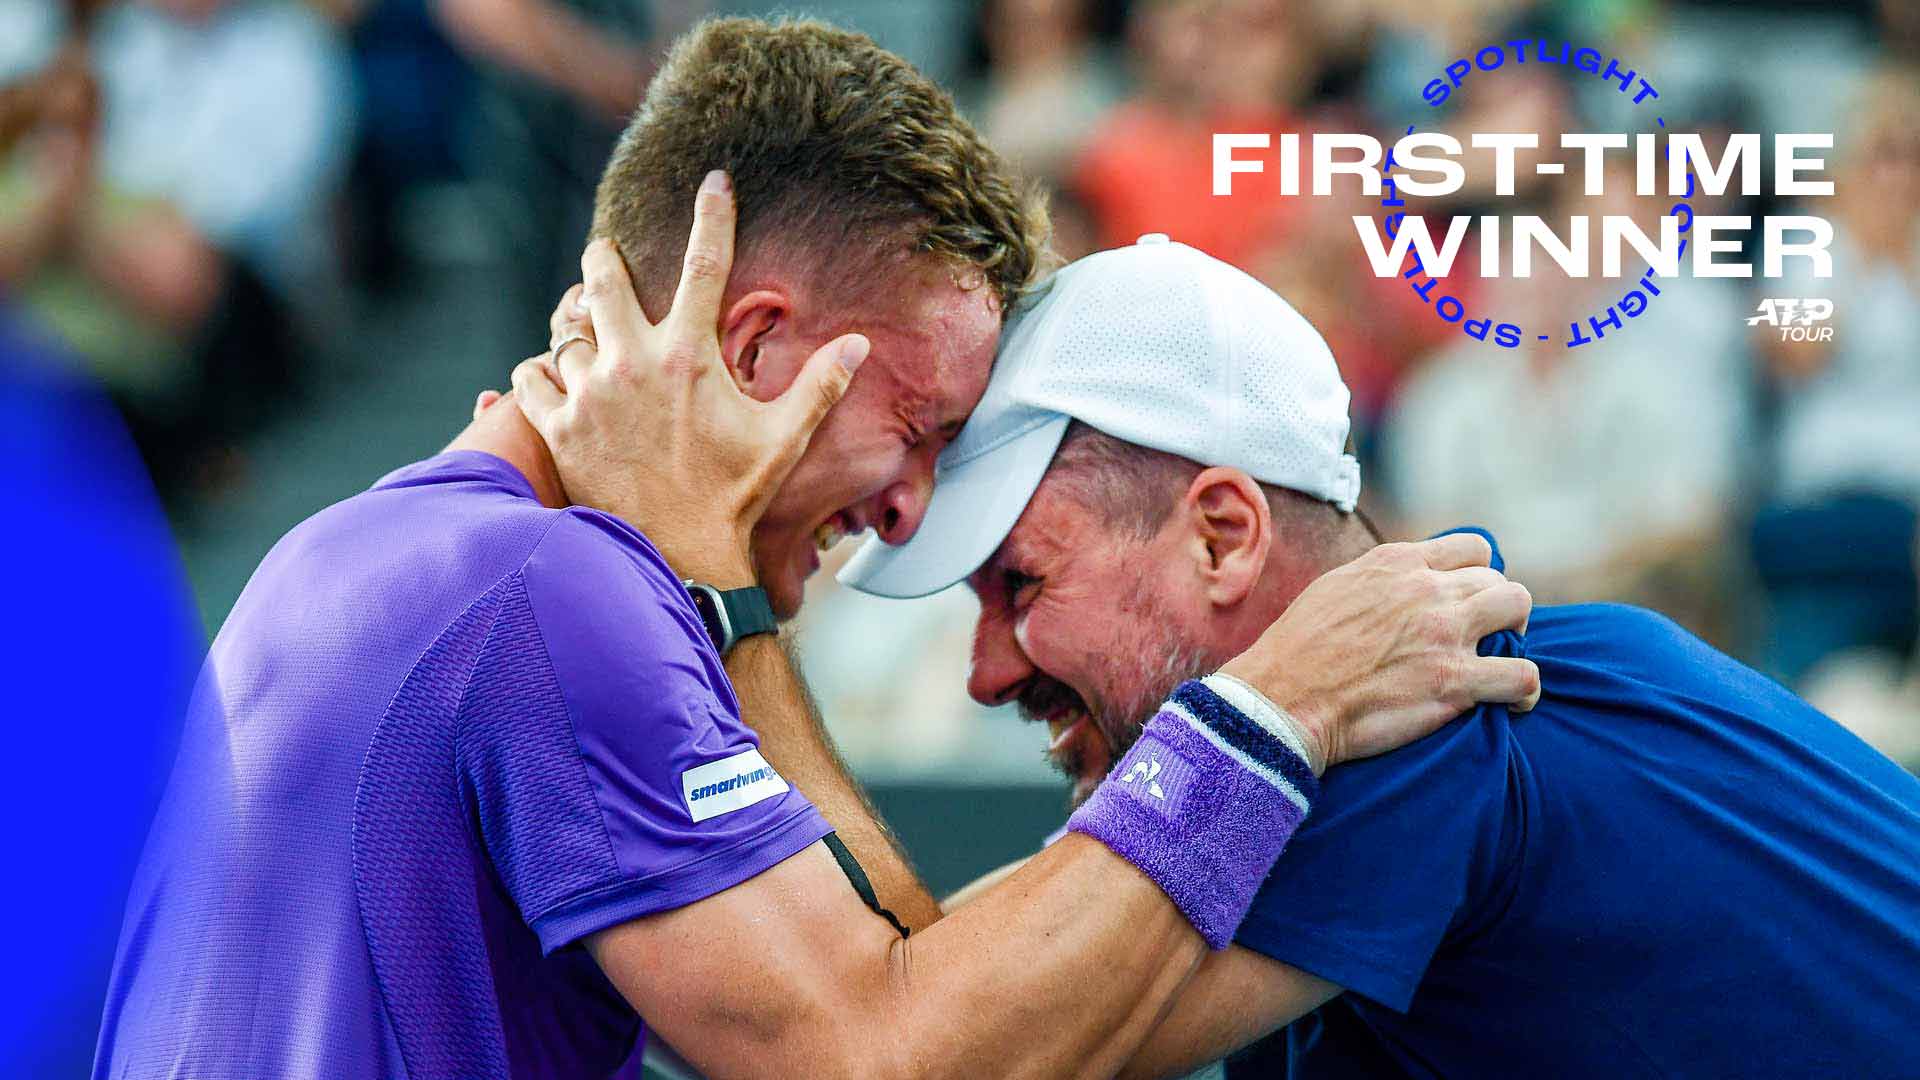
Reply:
x=560 y=344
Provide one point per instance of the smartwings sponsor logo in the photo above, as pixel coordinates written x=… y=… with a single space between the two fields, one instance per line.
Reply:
x=732 y=783
x=742 y=780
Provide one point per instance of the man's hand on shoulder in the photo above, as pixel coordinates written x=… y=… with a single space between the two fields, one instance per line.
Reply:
x=1383 y=650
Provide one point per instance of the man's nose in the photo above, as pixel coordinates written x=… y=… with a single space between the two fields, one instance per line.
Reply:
x=1000 y=669
x=901 y=507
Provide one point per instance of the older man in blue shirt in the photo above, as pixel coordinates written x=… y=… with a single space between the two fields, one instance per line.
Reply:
x=1671 y=867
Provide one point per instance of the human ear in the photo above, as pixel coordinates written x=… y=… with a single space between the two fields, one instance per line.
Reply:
x=1231 y=529
x=755 y=343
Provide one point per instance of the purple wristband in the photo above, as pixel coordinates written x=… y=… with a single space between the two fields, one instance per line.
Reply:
x=1203 y=805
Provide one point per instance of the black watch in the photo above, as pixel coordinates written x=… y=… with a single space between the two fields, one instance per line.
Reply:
x=731 y=614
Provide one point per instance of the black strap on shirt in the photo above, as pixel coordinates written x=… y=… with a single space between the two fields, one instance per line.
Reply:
x=857 y=877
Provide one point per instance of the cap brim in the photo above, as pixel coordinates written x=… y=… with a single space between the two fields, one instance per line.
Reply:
x=973 y=508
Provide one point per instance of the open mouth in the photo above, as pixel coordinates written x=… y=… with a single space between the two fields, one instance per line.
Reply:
x=1076 y=746
x=1075 y=739
x=835 y=529
x=1066 y=725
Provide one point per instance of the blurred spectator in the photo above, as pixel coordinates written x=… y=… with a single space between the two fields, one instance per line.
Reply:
x=163 y=235
x=1607 y=469
x=414 y=98
x=596 y=61
x=1051 y=83
x=1414 y=40
x=1204 y=66
x=1796 y=61
x=1850 y=408
x=1378 y=326
x=543 y=131
x=1834 y=550
x=233 y=112
x=929 y=34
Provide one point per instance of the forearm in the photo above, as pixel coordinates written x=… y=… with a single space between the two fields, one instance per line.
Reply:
x=774 y=702
x=1071 y=961
x=1062 y=969
x=1236 y=997
x=1063 y=966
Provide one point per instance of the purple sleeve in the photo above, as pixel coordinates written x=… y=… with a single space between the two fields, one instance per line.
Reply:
x=602 y=749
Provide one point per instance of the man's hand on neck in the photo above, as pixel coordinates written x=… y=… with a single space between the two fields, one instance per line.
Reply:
x=501 y=429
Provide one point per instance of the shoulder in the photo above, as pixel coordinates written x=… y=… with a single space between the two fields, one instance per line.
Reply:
x=1559 y=625
x=597 y=586
x=1623 y=640
x=1454 y=763
x=585 y=552
x=603 y=541
x=1396 y=850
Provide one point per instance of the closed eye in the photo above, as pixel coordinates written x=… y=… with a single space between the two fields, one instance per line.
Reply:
x=1019 y=586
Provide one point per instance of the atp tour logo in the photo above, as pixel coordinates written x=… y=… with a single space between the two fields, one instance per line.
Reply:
x=1795 y=318
x=1400 y=241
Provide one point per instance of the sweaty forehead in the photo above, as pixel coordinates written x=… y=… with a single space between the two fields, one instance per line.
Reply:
x=938 y=343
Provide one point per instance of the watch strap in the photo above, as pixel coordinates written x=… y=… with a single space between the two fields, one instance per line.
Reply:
x=749 y=612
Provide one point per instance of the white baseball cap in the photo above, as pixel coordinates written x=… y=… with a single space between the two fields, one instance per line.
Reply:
x=1156 y=344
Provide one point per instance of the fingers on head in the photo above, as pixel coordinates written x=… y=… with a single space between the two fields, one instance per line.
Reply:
x=825 y=379
x=614 y=310
x=486 y=400
x=535 y=387
x=709 y=257
x=602 y=270
x=569 y=314
x=574 y=360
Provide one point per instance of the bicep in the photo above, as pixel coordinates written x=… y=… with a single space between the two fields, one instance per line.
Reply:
x=770 y=977
x=1236 y=997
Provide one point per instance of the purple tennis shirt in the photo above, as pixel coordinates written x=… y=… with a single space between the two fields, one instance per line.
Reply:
x=446 y=733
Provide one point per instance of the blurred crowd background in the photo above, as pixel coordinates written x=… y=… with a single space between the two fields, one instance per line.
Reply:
x=289 y=241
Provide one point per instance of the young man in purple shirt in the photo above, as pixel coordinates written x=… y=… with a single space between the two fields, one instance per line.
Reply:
x=465 y=791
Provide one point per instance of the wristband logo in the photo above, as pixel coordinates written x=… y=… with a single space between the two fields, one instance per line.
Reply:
x=1155 y=775
x=1425 y=164
x=1146 y=771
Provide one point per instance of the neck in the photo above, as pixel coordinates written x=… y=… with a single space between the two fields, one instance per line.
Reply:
x=1288 y=573
x=502 y=430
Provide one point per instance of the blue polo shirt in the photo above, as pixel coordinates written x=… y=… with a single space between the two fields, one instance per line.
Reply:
x=1671 y=867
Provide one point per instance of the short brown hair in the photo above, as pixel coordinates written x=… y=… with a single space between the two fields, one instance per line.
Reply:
x=840 y=152
x=1134 y=490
